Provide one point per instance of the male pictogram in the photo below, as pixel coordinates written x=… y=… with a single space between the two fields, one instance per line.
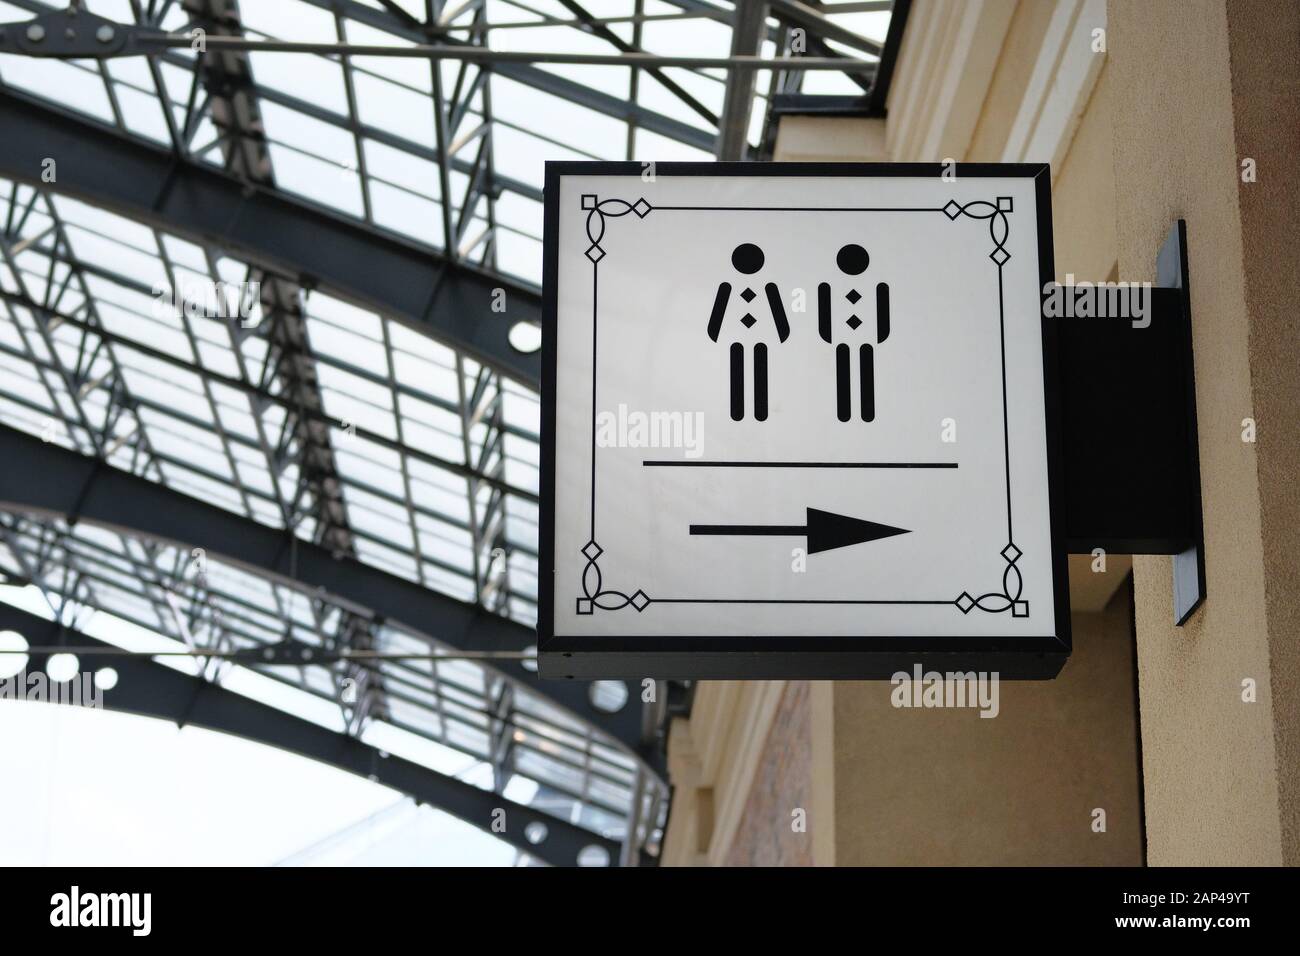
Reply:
x=747 y=259
x=852 y=260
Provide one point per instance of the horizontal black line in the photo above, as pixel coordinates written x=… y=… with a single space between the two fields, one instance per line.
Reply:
x=783 y=601
x=752 y=529
x=687 y=463
x=804 y=208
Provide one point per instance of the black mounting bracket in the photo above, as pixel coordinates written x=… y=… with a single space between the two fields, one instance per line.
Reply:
x=75 y=34
x=1128 y=397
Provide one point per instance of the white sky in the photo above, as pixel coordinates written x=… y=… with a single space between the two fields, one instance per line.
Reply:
x=94 y=788
x=83 y=787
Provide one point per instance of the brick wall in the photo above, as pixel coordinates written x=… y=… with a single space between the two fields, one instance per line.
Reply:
x=781 y=784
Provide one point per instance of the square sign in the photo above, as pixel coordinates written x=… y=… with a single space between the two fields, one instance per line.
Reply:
x=800 y=420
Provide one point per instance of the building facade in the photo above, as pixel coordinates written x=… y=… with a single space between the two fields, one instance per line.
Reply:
x=1159 y=744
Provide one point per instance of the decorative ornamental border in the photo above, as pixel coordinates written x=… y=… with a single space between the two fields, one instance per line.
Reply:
x=596 y=595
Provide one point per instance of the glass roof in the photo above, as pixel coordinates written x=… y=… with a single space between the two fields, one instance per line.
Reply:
x=196 y=402
x=294 y=408
x=359 y=134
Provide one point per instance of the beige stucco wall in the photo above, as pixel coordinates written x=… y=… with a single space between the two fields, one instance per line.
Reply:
x=827 y=139
x=1207 y=84
x=1083 y=194
x=878 y=785
x=739 y=761
x=1016 y=57
x=947 y=787
x=1264 y=47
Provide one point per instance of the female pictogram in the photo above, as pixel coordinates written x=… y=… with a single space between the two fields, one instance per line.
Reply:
x=748 y=260
x=852 y=260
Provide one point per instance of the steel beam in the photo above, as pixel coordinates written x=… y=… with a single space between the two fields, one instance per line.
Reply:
x=148 y=688
x=889 y=56
x=413 y=284
x=605 y=33
x=42 y=478
x=237 y=115
x=533 y=76
x=815 y=22
x=496 y=58
x=746 y=40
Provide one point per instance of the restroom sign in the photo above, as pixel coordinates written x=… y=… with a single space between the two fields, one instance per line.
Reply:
x=799 y=420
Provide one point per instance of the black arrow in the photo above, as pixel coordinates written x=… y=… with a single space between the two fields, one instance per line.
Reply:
x=825 y=530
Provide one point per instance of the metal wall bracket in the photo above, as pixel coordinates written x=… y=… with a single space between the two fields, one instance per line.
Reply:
x=1132 y=463
x=1189 y=564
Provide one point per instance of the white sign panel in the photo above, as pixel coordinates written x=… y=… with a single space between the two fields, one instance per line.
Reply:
x=799 y=414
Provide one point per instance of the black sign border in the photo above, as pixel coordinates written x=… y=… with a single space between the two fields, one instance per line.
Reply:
x=797 y=656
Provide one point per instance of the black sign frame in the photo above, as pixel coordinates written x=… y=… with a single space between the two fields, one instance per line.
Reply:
x=714 y=657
